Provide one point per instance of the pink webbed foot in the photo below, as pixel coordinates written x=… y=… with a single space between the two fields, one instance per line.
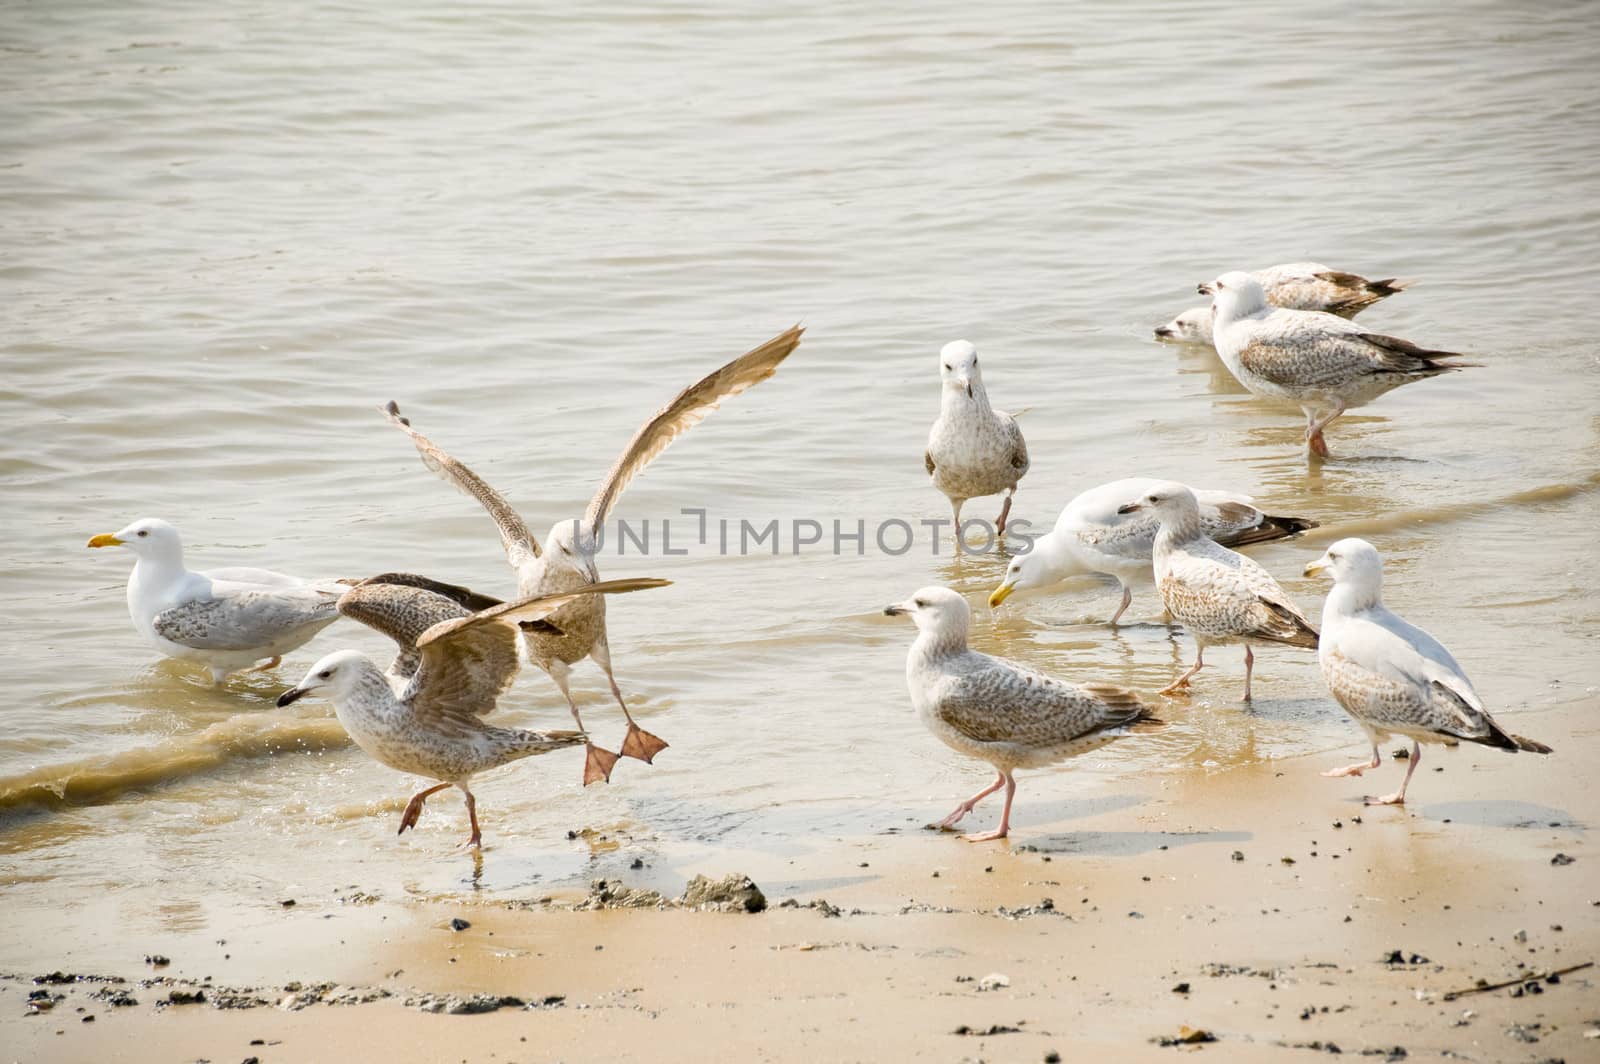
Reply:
x=1319 y=446
x=1397 y=798
x=988 y=836
x=641 y=744
x=597 y=765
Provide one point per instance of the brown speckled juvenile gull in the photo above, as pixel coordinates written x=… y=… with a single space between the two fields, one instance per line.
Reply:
x=1391 y=676
x=1219 y=595
x=1092 y=535
x=567 y=559
x=1324 y=364
x=973 y=449
x=425 y=715
x=225 y=619
x=997 y=711
x=1296 y=286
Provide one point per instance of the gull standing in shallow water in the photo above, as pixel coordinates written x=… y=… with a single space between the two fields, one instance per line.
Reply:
x=1296 y=286
x=973 y=449
x=1391 y=676
x=1324 y=364
x=424 y=716
x=997 y=711
x=1092 y=536
x=566 y=561
x=1219 y=595
x=225 y=619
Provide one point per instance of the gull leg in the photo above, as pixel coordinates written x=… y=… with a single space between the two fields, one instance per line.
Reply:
x=218 y=674
x=1005 y=511
x=967 y=806
x=598 y=761
x=1399 y=797
x=638 y=742
x=408 y=819
x=265 y=666
x=1357 y=769
x=1182 y=682
x=1249 y=663
x=956 y=505
x=1127 y=598
x=1005 y=815
x=476 y=841
x=1314 y=427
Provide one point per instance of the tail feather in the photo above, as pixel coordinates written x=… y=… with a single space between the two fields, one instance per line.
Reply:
x=1269 y=528
x=1501 y=739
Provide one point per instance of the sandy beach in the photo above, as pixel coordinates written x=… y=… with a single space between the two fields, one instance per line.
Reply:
x=1262 y=905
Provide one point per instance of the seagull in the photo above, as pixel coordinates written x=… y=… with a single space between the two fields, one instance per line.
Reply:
x=228 y=620
x=1296 y=286
x=566 y=561
x=1093 y=536
x=998 y=711
x=425 y=715
x=973 y=449
x=1324 y=364
x=1313 y=286
x=1391 y=676
x=1219 y=595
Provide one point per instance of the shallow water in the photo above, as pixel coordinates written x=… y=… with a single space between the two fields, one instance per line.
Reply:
x=230 y=236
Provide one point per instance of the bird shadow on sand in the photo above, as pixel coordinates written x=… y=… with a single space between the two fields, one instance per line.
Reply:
x=1503 y=813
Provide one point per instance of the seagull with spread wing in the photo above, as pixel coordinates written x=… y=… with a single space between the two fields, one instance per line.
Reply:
x=566 y=560
x=425 y=714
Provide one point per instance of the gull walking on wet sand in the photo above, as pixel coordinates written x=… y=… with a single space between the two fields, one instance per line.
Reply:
x=1322 y=363
x=1391 y=676
x=566 y=560
x=1295 y=286
x=425 y=715
x=973 y=449
x=997 y=711
x=1093 y=536
x=228 y=620
x=1219 y=595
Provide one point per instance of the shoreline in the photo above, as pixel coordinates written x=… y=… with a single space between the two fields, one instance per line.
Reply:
x=1281 y=916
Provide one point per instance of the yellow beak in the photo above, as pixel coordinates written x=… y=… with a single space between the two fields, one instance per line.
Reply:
x=1316 y=567
x=1001 y=593
x=105 y=539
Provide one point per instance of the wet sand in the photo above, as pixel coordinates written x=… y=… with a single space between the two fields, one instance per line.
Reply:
x=1272 y=893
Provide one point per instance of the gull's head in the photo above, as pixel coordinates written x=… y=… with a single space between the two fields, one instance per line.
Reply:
x=570 y=545
x=958 y=367
x=148 y=537
x=1351 y=563
x=1168 y=500
x=935 y=609
x=1193 y=326
x=1235 y=294
x=1023 y=572
x=335 y=676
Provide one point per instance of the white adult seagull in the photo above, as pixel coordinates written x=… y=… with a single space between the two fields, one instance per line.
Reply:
x=1391 y=676
x=225 y=619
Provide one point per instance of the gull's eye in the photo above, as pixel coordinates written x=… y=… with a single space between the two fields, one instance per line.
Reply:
x=144 y=531
x=918 y=603
x=947 y=365
x=325 y=673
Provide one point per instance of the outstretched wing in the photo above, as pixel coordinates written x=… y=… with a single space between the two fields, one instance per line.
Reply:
x=403 y=606
x=247 y=619
x=469 y=660
x=519 y=544
x=691 y=407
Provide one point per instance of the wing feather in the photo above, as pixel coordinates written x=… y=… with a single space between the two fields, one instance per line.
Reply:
x=519 y=543
x=688 y=409
x=245 y=620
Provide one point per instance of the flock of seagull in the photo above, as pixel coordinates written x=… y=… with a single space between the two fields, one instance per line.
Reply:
x=1285 y=333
